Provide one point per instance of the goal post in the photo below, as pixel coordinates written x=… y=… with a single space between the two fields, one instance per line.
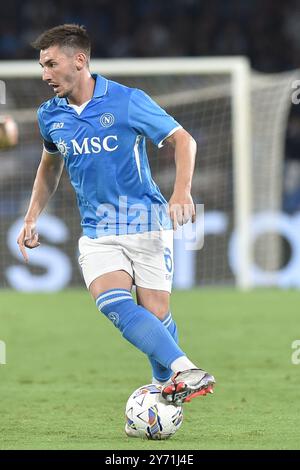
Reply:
x=239 y=70
x=242 y=151
x=220 y=100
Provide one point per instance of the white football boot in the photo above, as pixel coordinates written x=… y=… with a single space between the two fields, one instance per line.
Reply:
x=188 y=384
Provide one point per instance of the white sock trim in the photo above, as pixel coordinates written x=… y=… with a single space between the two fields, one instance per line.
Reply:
x=182 y=363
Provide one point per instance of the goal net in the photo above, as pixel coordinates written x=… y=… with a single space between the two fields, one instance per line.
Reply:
x=238 y=119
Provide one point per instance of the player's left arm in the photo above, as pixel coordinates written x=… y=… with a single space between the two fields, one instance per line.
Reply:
x=181 y=205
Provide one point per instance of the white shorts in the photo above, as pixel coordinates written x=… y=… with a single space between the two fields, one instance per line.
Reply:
x=147 y=257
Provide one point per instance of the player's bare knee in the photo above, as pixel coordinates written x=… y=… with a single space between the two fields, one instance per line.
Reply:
x=160 y=310
x=160 y=313
x=155 y=301
x=116 y=279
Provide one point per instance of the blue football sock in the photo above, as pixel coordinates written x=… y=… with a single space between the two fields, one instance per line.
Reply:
x=140 y=327
x=159 y=372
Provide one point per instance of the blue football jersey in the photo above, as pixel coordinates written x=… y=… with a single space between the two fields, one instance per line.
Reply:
x=104 y=151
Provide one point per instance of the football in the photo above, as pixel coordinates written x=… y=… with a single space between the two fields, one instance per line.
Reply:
x=149 y=416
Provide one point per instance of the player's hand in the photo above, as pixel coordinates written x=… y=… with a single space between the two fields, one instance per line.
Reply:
x=181 y=209
x=28 y=238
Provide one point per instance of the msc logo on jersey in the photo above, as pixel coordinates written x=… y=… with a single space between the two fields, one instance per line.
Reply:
x=95 y=145
x=107 y=119
x=62 y=147
x=88 y=145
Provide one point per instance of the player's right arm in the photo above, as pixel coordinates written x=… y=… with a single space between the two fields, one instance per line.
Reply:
x=45 y=184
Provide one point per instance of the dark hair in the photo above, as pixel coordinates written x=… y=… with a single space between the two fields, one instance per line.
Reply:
x=65 y=35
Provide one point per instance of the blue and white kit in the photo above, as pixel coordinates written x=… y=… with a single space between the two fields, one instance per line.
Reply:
x=103 y=144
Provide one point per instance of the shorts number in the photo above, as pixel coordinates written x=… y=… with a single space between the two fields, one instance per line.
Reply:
x=168 y=260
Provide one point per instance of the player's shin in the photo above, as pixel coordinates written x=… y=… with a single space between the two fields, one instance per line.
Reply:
x=140 y=327
x=161 y=374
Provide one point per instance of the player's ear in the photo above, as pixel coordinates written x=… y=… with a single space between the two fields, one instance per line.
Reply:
x=80 y=60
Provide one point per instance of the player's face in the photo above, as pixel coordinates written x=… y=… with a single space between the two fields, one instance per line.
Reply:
x=59 y=69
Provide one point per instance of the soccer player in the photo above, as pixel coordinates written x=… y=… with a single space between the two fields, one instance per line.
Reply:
x=97 y=129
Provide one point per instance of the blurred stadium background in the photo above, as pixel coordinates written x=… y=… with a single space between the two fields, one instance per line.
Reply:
x=266 y=33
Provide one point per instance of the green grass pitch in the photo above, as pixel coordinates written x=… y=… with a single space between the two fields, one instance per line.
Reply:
x=69 y=372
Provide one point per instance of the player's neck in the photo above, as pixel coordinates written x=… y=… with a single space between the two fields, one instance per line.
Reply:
x=83 y=91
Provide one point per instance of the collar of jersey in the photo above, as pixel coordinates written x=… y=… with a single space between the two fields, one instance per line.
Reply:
x=100 y=89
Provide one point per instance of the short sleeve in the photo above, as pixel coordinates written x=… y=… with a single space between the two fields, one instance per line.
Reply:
x=48 y=144
x=149 y=119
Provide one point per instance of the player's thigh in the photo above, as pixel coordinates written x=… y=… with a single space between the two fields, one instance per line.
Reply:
x=112 y=280
x=154 y=300
x=152 y=262
x=104 y=264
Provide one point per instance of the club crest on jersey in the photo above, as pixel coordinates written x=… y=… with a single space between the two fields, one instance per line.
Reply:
x=62 y=147
x=107 y=119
